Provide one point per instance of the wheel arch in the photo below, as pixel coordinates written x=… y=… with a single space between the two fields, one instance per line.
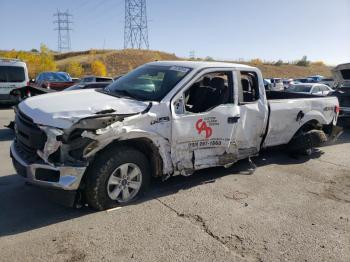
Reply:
x=142 y=144
x=307 y=126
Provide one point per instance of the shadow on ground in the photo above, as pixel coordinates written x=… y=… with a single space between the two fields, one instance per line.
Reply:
x=6 y=106
x=6 y=134
x=23 y=208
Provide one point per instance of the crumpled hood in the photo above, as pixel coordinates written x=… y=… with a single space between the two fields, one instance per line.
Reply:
x=63 y=109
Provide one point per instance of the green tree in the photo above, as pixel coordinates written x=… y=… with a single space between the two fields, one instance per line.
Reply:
x=303 y=61
x=279 y=63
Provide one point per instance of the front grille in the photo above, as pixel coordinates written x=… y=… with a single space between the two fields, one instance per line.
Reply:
x=29 y=137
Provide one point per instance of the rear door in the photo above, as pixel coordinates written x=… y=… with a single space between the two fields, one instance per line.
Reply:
x=204 y=119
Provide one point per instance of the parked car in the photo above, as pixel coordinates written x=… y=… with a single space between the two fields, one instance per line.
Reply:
x=267 y=84
x=341 y=75
x=88 y=86
x=53 y=80
x=328 y=81
x=287 y=83
x=305 y=80
x=312 y=89
x=316 y=78
x=13 y=74
x=90 y=79
x=276 y=84
x=160 y=120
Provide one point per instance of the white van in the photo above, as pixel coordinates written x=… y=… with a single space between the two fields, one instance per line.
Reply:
x=13 y=74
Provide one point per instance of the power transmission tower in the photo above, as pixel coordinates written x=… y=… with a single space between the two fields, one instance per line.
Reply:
x=63 y=27
x=136 y=24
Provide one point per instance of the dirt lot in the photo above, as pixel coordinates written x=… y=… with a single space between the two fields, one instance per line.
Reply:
x=288 y=209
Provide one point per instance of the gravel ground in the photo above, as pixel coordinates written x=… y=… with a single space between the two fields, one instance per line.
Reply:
x=288 y=209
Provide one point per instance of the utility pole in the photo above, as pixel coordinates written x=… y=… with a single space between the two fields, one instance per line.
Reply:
x=63 y=28
x=136 y=25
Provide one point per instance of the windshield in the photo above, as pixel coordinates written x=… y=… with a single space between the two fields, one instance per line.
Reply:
x=12 y=74
x=301 y=88
x=148 y=82
x=55 y=77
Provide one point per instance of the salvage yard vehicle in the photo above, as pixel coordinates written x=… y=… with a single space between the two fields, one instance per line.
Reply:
x=46 y=82
x=276 y=84
x=163 y=119
x=342 y=89
x=53 y=80
x=314 y=89
x=13 y=74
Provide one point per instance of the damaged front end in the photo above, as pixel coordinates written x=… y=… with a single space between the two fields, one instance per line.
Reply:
x=52 y=157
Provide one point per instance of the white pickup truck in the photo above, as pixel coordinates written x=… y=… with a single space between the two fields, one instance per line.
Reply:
x=160 y=120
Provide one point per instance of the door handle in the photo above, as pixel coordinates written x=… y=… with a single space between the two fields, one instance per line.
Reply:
x=233 y=119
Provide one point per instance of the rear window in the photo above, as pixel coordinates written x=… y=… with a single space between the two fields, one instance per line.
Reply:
x=12 y=74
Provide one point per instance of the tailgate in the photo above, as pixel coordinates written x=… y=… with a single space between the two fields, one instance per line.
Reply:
x=288 y=115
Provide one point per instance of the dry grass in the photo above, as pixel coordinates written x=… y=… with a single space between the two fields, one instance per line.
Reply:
x=121 y=61
x=117 y=61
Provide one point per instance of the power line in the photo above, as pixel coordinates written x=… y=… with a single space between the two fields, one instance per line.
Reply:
x=136 y=24
x=63 y=28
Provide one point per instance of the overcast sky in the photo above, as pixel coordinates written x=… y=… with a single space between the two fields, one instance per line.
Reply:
x=223 y=29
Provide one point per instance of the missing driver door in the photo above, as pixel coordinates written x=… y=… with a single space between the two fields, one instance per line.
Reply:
x=204 y=119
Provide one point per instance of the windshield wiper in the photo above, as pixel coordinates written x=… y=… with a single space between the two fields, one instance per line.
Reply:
x=125 y=93
x=119 y=93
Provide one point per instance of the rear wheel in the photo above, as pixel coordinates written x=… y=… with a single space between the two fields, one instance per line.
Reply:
x=304 y=141
x=118 y=176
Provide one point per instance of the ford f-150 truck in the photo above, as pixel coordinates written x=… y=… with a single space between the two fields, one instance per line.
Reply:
x=160 y=120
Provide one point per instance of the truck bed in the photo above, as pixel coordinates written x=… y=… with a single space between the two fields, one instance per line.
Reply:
x=288 y=112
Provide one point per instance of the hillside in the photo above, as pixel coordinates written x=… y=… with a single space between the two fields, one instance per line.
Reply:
x=121 y=61
x=117 y=61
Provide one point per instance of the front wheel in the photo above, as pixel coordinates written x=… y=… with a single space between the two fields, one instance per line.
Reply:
x=118 y=176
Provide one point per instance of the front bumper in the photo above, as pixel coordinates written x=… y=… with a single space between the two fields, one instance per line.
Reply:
x=42 y=174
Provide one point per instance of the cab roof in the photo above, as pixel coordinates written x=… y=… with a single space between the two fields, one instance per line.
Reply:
x=200 y=64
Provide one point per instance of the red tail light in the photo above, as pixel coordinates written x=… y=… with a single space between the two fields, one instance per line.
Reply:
x=337 y=109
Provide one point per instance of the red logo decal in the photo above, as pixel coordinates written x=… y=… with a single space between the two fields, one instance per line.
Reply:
x=202 y=126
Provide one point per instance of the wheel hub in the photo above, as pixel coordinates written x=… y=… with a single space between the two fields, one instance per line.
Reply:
x=124 y=183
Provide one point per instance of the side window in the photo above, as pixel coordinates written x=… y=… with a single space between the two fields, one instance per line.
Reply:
x=248 y=87
x=315 y=90
x=323 y=88
x=89 y=79
x=209 y=91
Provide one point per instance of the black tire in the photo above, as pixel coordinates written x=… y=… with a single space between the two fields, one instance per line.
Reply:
x=105 y=164
x=304 y=142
